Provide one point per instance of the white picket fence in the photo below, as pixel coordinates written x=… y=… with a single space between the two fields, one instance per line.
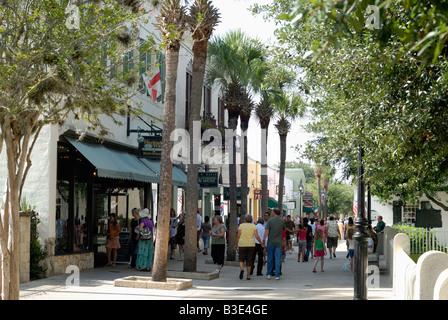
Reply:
x=423 y=240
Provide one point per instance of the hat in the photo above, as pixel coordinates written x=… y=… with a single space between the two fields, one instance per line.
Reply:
x=144 y=213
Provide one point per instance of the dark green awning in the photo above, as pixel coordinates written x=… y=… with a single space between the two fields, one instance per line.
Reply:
x=115 y=164
x=272 y=203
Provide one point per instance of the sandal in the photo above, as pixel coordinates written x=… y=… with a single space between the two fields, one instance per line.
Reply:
x=314 y=270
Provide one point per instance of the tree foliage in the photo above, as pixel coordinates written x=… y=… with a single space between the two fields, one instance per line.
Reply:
x=383 y=89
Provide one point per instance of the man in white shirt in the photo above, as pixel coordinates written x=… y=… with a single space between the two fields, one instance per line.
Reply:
x=258 y=248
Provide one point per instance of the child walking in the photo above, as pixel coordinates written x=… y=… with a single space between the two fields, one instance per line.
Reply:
x=351 y=246
x=319 y=250
x=301 y=240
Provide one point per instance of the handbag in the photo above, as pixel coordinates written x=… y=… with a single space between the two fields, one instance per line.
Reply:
x=145 y=234
x=346 y=265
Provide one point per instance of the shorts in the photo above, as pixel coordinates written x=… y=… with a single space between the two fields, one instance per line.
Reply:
x=332 y=242
x=246 y=254
x=319 y=253
x=351 y=253
x=302 y=245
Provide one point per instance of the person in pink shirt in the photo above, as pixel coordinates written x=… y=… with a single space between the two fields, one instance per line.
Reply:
x=321 y=226
x=301 y=240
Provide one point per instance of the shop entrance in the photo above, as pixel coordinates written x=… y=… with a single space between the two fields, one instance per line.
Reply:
x=105 y=204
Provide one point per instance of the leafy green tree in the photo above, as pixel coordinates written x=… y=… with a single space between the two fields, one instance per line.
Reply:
x=51 y=66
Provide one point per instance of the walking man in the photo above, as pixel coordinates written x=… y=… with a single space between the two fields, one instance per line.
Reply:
x=273 y=228
x=333 y=236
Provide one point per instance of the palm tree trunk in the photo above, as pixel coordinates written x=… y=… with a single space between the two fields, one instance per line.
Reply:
x=243 y=209
x=231 y=254
x=200 y=57
x=166 y=169
x=264 y=171
x=281 y=182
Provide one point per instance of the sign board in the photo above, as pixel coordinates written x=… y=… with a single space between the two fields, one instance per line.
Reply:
x=208 y=179
x=308 y=197
x=291 y=205
x=151 y=147
x=238 y=193
x=257 y=194
x=428 y=217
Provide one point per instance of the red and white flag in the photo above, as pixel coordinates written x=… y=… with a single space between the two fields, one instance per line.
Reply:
x=152 y=81
x=355 y=208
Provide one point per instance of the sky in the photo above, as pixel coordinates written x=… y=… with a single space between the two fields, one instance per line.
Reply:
x=235 y=15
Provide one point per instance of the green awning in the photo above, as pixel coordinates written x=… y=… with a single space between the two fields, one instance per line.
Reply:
x=179 y=178
x=272 y=203
x=115 y=164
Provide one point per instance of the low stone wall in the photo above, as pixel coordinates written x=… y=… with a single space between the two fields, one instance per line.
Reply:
x=57 y=264
x=425 y=280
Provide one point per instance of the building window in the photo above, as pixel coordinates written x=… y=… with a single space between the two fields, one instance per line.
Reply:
x=409 y=211
x=207 y=102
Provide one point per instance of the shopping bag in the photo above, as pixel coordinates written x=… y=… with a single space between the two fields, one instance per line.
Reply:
x=346 y=265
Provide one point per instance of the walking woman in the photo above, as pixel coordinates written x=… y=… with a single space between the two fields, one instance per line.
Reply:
x=180 y=235
x=145 y=246
x=245 y=241
x=218 y=242
x=113 y=242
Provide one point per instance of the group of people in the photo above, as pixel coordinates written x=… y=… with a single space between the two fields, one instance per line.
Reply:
x=269 y=239
x=141 y=249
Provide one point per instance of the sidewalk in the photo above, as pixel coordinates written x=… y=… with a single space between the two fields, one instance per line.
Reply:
x=298 y=282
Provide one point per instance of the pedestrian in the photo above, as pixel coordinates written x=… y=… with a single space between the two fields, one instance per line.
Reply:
x=380 y=225
x=309 y=238
x=145 y=246
x=319 y=249
x=321 y=226
x=351 y=246
x=348 y=226
x=333 y=234
x=301 y=241
x=206 y=229
x=198 y=229
x=113 y=240
x=273 y=228
x=266 y=217
x=245 y=243
x=218 y=242
x=133 y=238
x=259 y=249
x=290 y=229
x=173 y=231
x=313 y=227
x=180 y=235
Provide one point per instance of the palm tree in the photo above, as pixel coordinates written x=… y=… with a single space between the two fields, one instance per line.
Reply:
x=264 y=111
x=245 y=113
x=288 y=108
x=202 y=20
x=172 y=24
x=231 y=65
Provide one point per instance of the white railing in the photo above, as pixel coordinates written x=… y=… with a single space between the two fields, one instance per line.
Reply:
x=423 y=240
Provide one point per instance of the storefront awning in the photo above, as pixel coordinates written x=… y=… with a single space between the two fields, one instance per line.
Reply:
x=179 y=178
x=272 y=203
x=115 y=164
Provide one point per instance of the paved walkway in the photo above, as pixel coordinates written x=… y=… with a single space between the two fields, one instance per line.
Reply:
x=298 y=282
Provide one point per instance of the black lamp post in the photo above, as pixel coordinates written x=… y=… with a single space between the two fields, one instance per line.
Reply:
x=361 y=261
x=301 y=197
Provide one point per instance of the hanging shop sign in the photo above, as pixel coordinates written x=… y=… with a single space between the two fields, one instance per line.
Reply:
x=150 y=147
x=208 y=179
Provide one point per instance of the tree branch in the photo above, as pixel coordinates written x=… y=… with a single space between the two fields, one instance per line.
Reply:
x=440 y=204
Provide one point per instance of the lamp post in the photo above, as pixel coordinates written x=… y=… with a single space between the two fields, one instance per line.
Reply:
x=301 y=197
x=361 y=237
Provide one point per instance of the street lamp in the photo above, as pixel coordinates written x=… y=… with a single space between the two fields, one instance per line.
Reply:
x=361 y=237
x=301 y=197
